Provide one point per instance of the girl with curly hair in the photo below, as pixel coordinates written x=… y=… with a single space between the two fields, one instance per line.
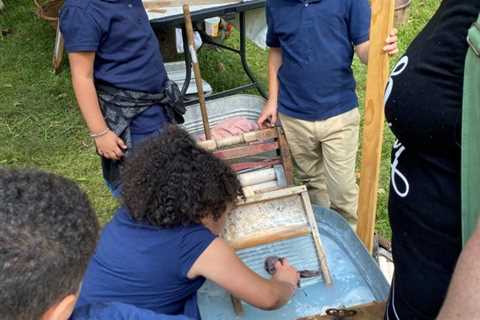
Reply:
x=163 y=243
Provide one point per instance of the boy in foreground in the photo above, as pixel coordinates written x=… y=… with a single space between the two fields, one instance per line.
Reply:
x=48 y=231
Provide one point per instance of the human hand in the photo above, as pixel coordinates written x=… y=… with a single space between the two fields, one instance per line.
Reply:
x=110 y=146
x=268 y=115
x=284 y=272
x=391 y=47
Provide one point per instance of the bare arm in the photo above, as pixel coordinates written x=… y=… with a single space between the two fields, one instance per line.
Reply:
x=464 y=293
x=81 y=65
x=220 y=264
x=362 y=51
x=269 y=113
x=391 y=47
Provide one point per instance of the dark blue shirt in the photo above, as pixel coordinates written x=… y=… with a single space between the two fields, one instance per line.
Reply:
x=118 y=311
x=118 y=31
x=317 y=39
x=146 y=266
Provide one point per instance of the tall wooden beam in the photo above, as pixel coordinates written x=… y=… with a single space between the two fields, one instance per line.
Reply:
x=372 y=137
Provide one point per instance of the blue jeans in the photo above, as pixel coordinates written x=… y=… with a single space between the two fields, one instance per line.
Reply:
x=149 y=123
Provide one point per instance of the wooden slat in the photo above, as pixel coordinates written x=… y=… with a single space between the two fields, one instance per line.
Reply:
x=156 y=4
x=246 y=151
x=378 y=68
x=247 y=137
x=250 y=191
x=322 y=257
x=276 y=194
x=255 y=164
x=286 y=157
x=270 y=237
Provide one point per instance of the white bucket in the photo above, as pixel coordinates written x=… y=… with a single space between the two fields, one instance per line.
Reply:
x=211 y=26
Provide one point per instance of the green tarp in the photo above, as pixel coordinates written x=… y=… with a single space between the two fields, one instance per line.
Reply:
x=471 y=135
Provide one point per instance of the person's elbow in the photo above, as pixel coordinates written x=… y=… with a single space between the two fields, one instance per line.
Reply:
x=362 y=51
x=363 y=56
x=272 y=302
x=364 y=60
x=274 y=299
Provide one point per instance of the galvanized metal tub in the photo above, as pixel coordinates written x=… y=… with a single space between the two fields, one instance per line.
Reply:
x=357 y=280
x=240 y=105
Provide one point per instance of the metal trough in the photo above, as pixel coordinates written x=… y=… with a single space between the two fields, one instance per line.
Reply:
x=357 y=280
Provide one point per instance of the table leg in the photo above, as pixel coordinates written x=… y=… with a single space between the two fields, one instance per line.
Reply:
x=243 y=56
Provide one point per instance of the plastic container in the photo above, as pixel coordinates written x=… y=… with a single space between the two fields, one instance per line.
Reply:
x=212 y=26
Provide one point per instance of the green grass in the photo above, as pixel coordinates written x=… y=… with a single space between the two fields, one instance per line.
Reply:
x=40 y=125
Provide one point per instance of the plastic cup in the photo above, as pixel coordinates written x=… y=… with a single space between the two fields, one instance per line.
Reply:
x=211 y=26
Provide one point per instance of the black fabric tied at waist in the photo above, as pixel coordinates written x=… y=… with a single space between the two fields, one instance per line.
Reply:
x=121 y=106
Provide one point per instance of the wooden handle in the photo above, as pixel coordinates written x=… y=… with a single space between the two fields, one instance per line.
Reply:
x=196 y=69
x=237 y=306
x=270 y=237
x=378 y=68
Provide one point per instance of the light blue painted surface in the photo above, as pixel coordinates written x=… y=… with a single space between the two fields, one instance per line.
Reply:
x=356 y=277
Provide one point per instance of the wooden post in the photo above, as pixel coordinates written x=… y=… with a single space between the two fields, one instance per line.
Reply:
x=372 y=138
x=196 y=69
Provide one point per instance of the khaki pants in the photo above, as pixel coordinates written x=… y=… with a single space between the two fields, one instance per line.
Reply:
x=324 y=153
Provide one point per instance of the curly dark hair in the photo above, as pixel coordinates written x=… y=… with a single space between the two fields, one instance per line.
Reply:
x=48 y=231
x=171 y=181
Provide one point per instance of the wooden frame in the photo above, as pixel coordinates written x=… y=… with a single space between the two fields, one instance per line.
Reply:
x=288 y=232
x=309 y=228
x=372 y=137
x=371 y=311
x=251 y=144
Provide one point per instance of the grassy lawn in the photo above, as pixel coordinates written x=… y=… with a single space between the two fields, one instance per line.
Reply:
x=40 y=124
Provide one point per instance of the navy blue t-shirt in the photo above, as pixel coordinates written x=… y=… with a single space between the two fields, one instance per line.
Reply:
x=146 y=266
x=317 y=39
x=118 y=31
x=118 y=311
